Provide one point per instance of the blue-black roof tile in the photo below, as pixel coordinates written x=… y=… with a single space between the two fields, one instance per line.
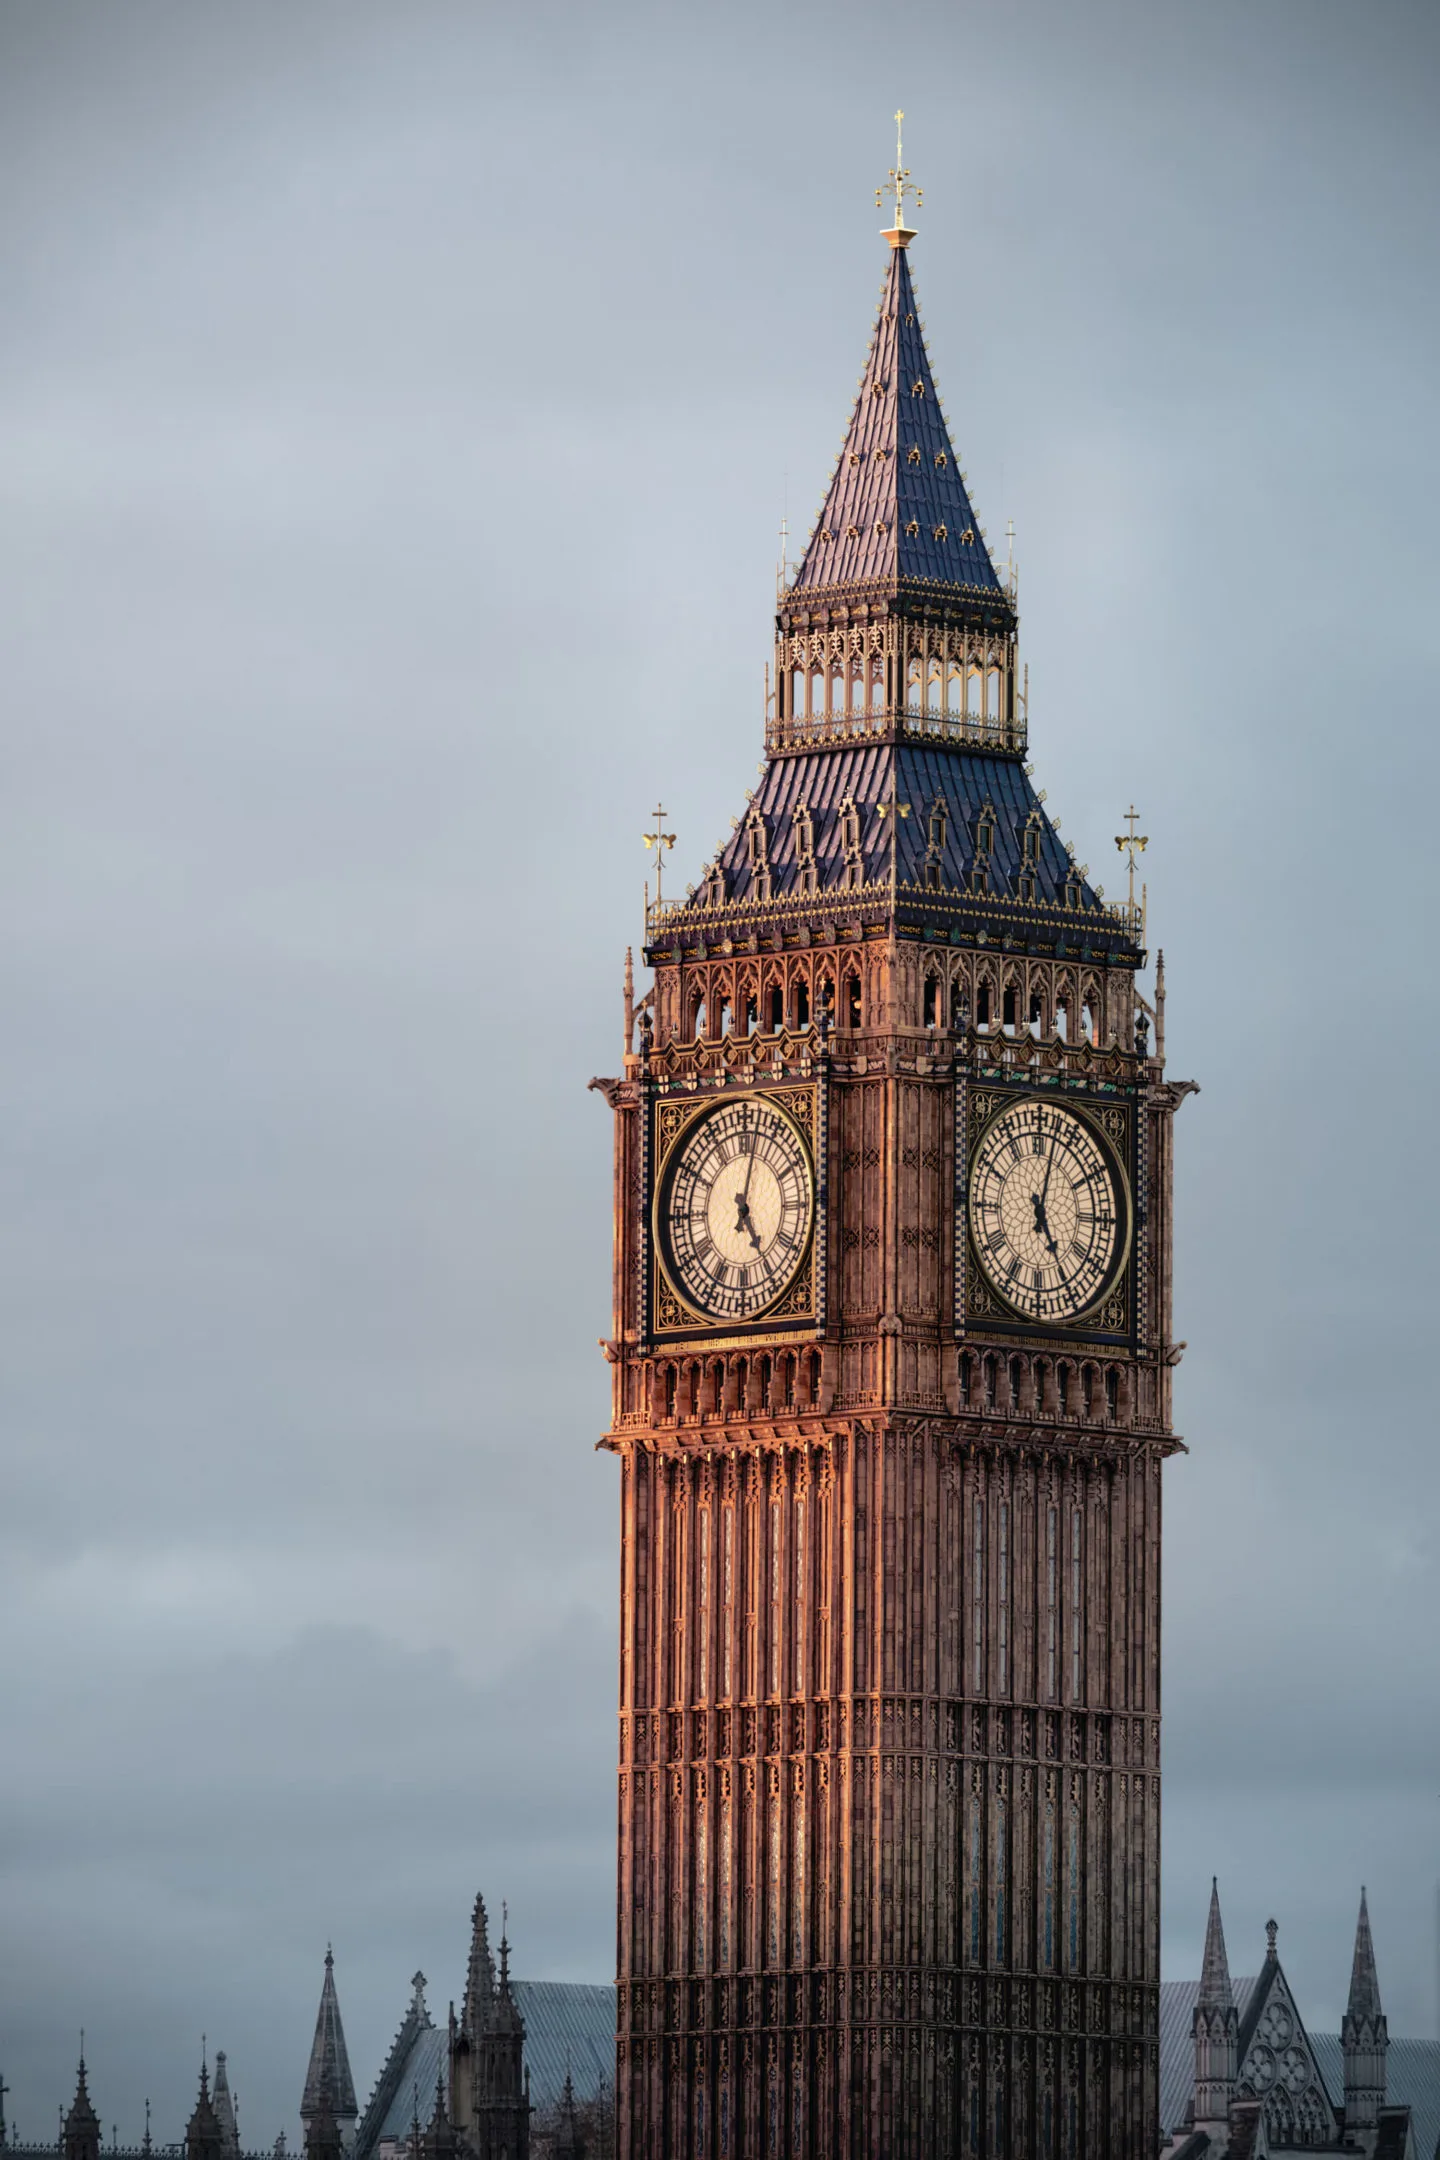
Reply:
x=897 y=509
x=881 y=779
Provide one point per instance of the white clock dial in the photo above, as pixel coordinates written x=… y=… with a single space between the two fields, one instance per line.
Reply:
x=1047 y=1210
x=736 y=1209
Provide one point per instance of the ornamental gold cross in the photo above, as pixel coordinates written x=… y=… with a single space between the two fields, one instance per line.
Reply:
x=1131 y=844
x=659 y=840
x=899 y=184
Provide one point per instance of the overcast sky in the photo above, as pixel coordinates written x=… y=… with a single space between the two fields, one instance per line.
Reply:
x=398 y=405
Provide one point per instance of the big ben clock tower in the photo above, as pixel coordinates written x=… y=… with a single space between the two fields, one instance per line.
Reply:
x=891 y=1359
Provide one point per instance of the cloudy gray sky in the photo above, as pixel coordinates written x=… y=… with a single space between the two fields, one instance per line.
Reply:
x=397 y=409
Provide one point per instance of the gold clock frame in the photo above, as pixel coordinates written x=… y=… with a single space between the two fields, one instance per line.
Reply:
x=673 y=1315
x=1112 y=1131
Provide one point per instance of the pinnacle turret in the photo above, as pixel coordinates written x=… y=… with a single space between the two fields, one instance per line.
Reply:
x=1364 y=1981
x=203 y=2136
x=82 y=2124
x=224 y=2103
x=1364 y=2039
x=1215 y=1992
x=1215 y=2029
x=330 y=2061
x=480 y=1974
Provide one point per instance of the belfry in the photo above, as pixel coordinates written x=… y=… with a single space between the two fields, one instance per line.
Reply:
x=891 y=1357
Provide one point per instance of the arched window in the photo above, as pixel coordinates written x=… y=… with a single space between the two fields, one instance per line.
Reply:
x=777 y=1010
x=958 y=1009
x=817 y=690
x=991 y=1383
x=932 y=1001
x=814 y=1379
x=852 y=1001
x=1062 y=1389
x=1087 y=1390
x=914 y=683
x=697 y=1016
x=752 y=1014
x=767 y=1376
x=722 y=1017
x=788 y=1382
x=1007 y=1014
x=877 y=682
x=1112 y=1390
x=967 y=1376
x=982 y=1002
x=1016 y=1375
x=670 y=1385
x=995 y=697
x=802 y=1005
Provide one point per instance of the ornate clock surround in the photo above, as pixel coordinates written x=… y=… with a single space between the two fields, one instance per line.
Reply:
x=669 y=1317
x=1110 y=1112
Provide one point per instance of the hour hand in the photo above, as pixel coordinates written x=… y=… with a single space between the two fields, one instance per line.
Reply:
x=743 y=1222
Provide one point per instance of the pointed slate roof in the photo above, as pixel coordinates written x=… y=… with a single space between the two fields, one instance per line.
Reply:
x=225 y=2107
x=897 y=511
x=1215 y=1991
x=1364 y=1980
x=329 y=2058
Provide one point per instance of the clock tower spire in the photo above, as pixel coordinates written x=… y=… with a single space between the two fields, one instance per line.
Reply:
x=891 y=1354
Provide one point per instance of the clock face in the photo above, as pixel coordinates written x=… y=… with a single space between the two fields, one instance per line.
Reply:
x=1047 y=1210
x=736 y=1209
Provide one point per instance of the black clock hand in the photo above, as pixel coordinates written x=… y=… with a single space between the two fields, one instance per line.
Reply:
x=1042 y=1223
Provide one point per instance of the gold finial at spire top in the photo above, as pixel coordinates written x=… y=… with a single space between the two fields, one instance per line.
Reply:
x=899 y=185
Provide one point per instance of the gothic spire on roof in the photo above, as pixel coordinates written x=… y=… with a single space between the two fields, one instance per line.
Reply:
x=480 y=1974
x=225 y=2107
x=1215 y=1992
x=897 y=515
x=81 y=2131
x=329 y=2057
x=1364 y=1980
x=507 y=2013
x=203 y=2138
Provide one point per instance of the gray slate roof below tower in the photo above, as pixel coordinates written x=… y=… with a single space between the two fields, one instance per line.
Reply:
x=568 y=2025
